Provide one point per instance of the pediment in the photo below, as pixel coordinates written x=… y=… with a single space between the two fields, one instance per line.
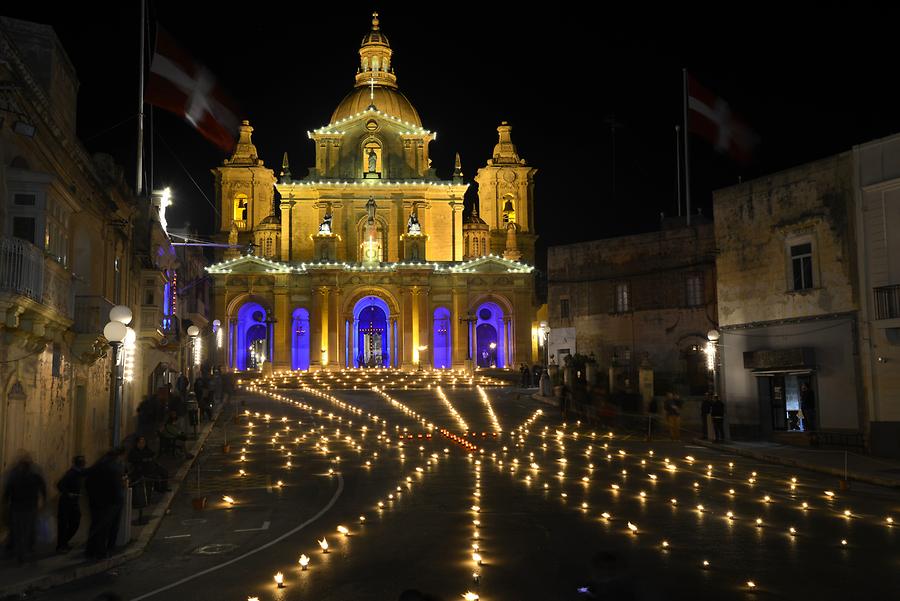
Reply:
x=492 y=264
x=250 y=264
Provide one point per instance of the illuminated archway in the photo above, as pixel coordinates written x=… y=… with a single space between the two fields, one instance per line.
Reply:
x=441 y=339
x=490 y=329
x=252 y=328
x=300 y=339
x=372 y=334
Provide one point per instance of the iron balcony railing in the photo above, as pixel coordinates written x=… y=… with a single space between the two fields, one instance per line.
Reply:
x=25 y=270
x=887 y=302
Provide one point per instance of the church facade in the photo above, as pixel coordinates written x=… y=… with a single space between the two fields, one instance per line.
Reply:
x=371 y=262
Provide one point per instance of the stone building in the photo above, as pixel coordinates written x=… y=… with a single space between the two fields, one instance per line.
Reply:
x=363 y=262
x=641 y=300
x=877 y=218
x=74 y=242
x=788 y=301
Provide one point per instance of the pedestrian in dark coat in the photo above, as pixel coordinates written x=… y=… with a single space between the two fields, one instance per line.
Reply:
x=68 y=517
x=142 y=461
x=808 y=407
x=24 y=492
x=717 y=411
x=105 y=485
x=181 y=386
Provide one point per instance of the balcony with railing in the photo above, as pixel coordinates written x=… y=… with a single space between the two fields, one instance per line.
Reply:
x=26 y=271
x=887 y=306
x=91 y=314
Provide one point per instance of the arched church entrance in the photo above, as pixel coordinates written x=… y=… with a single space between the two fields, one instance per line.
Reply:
x=300 y=339
x=441 y=339
x=251 y=337
x=371 y=333
x=490 y=336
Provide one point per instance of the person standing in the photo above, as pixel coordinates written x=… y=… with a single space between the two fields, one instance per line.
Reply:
x=673 y=416
x=705 y=408
x=808 y=407
x=68 y=516
x=717 y=411
x=105 y=485
x=181 y=386
x=24 y=493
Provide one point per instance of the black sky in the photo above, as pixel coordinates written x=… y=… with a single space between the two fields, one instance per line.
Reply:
x=811 y=80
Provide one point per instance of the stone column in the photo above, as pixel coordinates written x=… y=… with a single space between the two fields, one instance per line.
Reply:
x=336 y=337
x=457 y=355
x=282 y=351
x=395 y=341
x=414 y=303
x=351 y=342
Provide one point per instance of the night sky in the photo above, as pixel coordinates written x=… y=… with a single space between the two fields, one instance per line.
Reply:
x=811 y=81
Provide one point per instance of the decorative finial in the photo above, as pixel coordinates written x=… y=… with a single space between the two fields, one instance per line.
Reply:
x=374 y=21
x=285 y=174
x=457 y=168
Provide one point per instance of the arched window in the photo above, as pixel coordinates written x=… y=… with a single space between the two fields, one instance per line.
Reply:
x=376 y=248
x=240 y=208
x=509 y=209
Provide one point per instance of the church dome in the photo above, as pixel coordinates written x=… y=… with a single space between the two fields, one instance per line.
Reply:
x=386 y=100
x=375 y=82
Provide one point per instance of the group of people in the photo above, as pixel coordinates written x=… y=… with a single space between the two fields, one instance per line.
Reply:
x=103 y=483
x=163 y=417
x=531 y=376
x=711 y=409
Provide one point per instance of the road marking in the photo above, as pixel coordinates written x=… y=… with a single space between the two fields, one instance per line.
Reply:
x=177 y=536
x=265 y=526
x=275 y=541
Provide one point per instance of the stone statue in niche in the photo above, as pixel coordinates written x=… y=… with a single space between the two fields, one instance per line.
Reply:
x=412 y=225
x=373 y=160
x=233 y=235
x=370 y=210
x=325 y=226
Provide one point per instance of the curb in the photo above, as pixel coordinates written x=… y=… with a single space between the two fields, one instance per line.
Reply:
x=547 y=400
x=134 y=549
x=886 y=482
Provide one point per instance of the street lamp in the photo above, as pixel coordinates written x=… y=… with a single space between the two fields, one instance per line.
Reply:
x=422 y=349
x=493 y=346
x=193 y=359
x=711 y=360
x=116 y=332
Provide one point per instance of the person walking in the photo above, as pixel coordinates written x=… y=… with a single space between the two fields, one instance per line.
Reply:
x=705 y=408
x=181 y=386
x=717 y=411
x=105 y=485
x=673 y=415
x=24 y=493
x=144 y=466
x=68 y=516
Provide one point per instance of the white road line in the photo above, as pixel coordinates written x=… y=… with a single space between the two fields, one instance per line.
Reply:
x=176 y=536
x=322 y=512
x=265 y=526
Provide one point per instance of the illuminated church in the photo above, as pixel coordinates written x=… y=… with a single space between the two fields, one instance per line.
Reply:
x=370 y=261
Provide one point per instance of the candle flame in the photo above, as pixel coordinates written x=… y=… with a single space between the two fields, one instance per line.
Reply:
x=304 y=561
x=324 y=544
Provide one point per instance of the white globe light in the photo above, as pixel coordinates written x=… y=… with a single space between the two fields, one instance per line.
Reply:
x=193 y=331
x=115 y=331
x=216 y=323
x=130 y=336
x=712 y=335
x=120 y=313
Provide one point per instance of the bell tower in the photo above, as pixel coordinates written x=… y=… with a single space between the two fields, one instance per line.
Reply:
x=506 y=196
x=245 y=189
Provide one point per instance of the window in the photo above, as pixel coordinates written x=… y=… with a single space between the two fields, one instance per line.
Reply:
x=270 y=247
x=56 y=236
x=24 y=200
x=23 y=228
x=240 y=208
x=694 y=289
x=57 y=360
x=564 y=308
x=623 y=300
x=802 y=266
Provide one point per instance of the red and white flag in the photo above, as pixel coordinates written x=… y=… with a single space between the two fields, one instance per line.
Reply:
x=182 y=86
x=710 y=117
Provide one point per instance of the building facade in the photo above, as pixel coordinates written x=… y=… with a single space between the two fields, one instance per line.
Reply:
x=642 y=300
x=788 y=302
x=365 y=262
x=877 y=173
x=74 y=242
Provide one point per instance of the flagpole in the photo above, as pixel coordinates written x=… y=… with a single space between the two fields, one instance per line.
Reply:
x=139 y=184
x=687 y=154
x=678 y=166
